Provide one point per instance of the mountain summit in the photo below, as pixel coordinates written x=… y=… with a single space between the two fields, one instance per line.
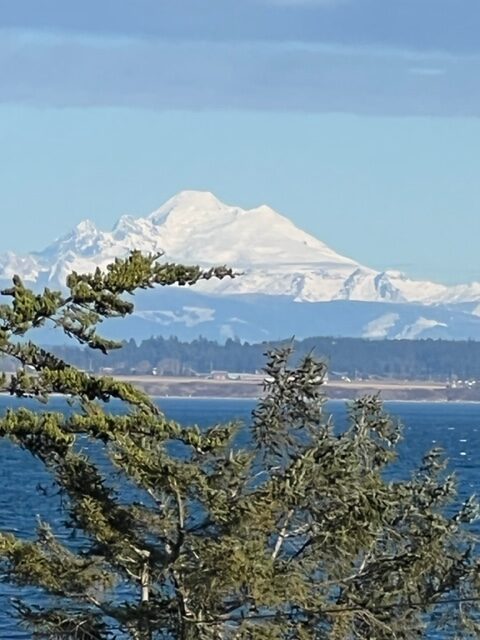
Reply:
x=274 y=256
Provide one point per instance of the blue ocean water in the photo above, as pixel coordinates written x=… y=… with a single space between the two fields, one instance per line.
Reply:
x=454 y=427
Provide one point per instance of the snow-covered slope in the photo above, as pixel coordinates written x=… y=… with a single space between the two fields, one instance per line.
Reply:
x=274 y=256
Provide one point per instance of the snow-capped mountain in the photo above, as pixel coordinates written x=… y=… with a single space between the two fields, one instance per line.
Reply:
x=276 y=259
x=274 y=256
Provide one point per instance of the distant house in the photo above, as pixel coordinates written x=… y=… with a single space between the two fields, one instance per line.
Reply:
x=218 y=375
x=247 y=377
x=106 y=370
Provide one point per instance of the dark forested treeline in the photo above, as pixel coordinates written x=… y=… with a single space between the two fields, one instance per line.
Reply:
x=352 y=357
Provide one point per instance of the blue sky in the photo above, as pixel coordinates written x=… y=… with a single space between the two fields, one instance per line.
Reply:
x=358 y=119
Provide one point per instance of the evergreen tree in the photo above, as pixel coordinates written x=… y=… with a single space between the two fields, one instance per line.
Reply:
x=297 y=534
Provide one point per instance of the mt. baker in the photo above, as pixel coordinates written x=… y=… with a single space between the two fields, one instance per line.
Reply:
x=276 y=259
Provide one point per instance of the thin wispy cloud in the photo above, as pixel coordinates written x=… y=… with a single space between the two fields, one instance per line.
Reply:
x=305 y=3
x=428 y=25
x=64 y=72
x=318 y=56
x=428 y=71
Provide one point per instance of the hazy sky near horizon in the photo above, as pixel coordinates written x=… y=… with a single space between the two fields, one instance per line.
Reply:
x=357 y=119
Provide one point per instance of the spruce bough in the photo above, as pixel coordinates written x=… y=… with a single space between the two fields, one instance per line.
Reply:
x=296 y=535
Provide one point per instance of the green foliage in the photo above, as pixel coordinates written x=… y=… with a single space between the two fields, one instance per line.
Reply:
x=299 y=535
